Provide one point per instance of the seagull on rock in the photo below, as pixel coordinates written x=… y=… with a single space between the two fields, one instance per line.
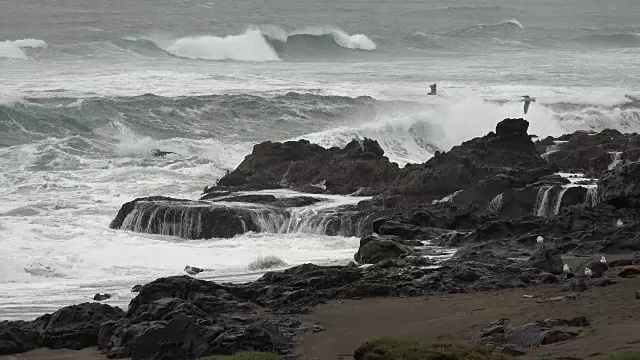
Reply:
x=566 y=269
x=527 y=101
x=588 y=272
x=619 y=223
x=540 y=240
x=603 y=260
x=192 y=270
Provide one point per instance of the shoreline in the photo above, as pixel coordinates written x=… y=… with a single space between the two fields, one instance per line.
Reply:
x=477 y=198
x=453 y=318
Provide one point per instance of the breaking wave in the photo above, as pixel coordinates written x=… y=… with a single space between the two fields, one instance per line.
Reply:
x=16 y=49
x=408 y=132
x=249 y=46
x=269 y=43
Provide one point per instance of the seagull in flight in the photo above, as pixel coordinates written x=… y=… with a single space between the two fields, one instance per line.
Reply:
x=192 y=270
x=527 y=101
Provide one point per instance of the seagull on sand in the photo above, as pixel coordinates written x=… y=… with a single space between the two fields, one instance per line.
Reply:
x=527 y=101
x=192 y=270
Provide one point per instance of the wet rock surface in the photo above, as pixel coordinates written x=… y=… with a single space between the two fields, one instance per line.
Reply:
x=512 y=338
x=490 y=198
x=508 y=152
x=361 y=164
x=72 y=327
x=590 y=153
x=620 y=187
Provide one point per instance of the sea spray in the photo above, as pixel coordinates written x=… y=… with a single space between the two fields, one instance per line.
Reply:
x=16 y=49
x=249 y=46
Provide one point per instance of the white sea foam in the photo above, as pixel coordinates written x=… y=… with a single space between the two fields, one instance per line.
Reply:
x=249 y=46
x=355 y=41
x=15 y=49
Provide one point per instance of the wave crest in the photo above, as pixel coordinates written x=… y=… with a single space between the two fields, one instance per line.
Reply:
x=15 y=49
x=267 y=43
x=249 y=46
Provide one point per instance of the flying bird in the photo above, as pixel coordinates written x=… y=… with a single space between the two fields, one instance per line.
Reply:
x=192 y=270
x=527 y=101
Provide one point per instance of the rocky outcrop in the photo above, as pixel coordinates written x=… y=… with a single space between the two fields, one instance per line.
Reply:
x=579 y=230
x=489 y=164
x=547 y=260
x=230 y=216
x=621 y=186
x=195 y=318
x=513 y=338
x=184 y=218
x=72 y=327
x=374 y=249
x=590 y=153
x=361 y=164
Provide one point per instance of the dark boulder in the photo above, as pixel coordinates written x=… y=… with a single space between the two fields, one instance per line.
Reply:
x=72 y=327
x=533 y=334
x=547 y=260
x=374 y=249
x=588 y=152
x=509 y=152
x=18 y=337
x=185 y=218
x=300 y=163
x=101 y=297
x=621 y=187
x=160 y=153
x=598 y=269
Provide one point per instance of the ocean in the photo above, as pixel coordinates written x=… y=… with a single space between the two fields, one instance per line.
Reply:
x=88 y=89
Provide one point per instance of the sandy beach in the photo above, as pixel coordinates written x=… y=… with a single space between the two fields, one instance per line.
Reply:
x=614 y=313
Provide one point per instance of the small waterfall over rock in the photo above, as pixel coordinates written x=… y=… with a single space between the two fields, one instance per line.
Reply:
x=189 y=220
x=341 y=221
x=549 y=200
x=207 y=219
x=615 y=159
x=591 y=199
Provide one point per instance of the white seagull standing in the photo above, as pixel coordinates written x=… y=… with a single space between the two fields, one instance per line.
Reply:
x=527 y=101
x=603 y=260
x=192 y=270
x=540 y=240
x=566 y=269
x=619 y=223
x=588 y=272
